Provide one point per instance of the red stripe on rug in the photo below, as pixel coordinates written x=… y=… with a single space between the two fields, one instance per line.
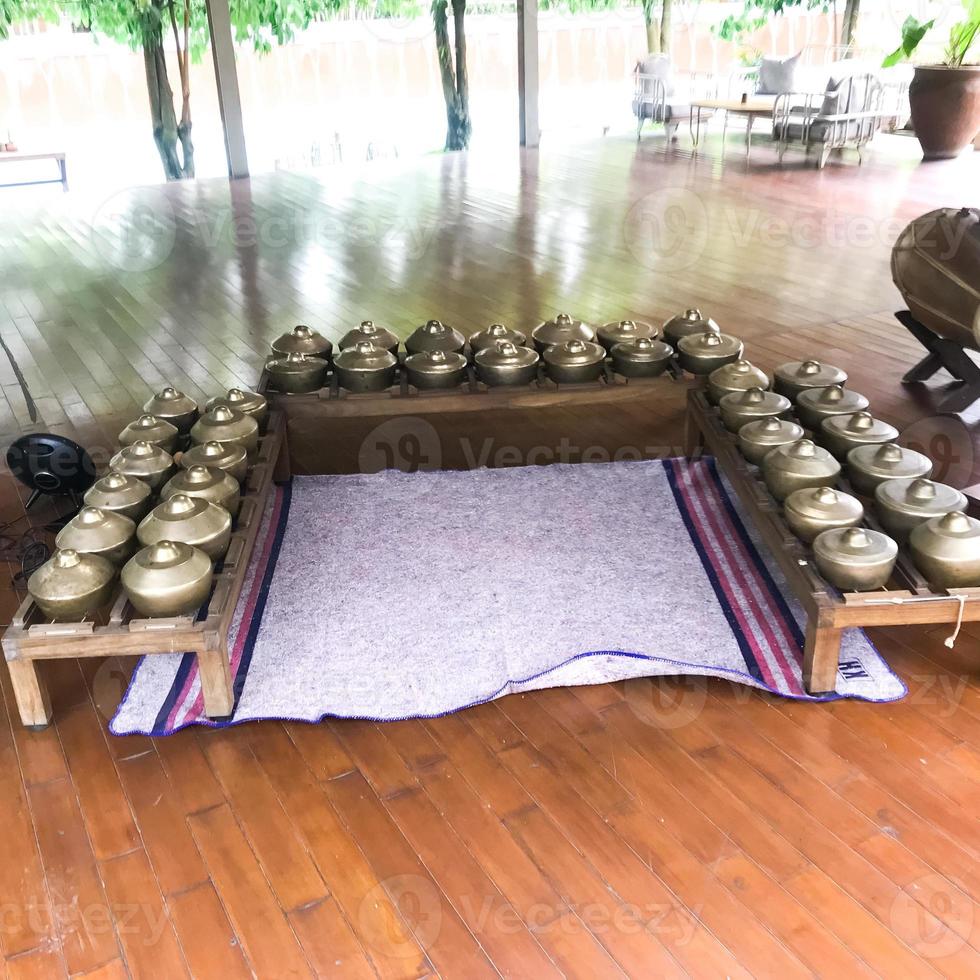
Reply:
x=774 y=615
x=784 y=646
x=727 y=552
x=196 y=707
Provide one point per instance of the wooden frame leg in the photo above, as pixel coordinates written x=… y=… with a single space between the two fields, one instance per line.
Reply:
x=216 y=688
x=31 y=694
x=283 y=471
x=693 y=437
x=821 y=657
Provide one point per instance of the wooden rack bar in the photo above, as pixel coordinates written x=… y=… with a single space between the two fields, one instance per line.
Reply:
x=30 y=638
x=908 y=601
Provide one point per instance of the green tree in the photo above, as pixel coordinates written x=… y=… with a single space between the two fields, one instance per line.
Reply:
x=452 y=71
x=143 y=24
x=656 y=16
x=756 y=13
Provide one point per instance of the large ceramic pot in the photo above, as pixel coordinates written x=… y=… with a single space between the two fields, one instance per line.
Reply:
x=435 y=335
x=189 y=519
x=435 y=369
x=99 y=532
x=174 y=406
x=575 y=361
x=169 y=578
x=120 y=494
x=855 y=558
x=489 y=338
x=559 y=331
x=226 y=425
x=936 y=267
x=365 y=367
x=148 y=428
x=945 y=104
x=71 y=584
x=641 y=358
x=507 y=364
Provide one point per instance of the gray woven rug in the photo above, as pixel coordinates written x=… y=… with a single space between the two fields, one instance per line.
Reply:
x=395 y=595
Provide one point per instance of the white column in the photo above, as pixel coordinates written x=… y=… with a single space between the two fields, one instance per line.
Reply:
x=527 y=71
x=226 y=81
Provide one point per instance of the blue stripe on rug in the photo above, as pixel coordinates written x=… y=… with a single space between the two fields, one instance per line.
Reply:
x=751 y=664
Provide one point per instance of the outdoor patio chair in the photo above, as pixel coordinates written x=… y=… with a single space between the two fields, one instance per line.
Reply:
x=661 y=96
x=847 y=114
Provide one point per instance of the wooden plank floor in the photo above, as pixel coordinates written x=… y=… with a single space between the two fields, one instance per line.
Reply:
x=655 y=828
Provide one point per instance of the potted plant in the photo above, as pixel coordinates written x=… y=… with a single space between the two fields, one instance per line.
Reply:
x=944 y=98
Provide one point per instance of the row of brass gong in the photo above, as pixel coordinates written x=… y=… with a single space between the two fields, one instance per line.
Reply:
x=157 y=522
x=438 y=355
x=771 y=420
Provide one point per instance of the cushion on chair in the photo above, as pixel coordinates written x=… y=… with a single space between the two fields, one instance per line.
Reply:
x=657 y=65
x=820 y=130
x=845 y=93
x=776 y=75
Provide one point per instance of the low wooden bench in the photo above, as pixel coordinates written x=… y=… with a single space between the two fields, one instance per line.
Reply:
x=19 y=156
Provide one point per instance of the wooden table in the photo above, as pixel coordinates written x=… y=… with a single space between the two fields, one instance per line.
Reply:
x=19 y=156
x=751 y=109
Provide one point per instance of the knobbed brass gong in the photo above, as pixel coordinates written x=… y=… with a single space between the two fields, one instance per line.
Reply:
x=641 y=358
x=867 y=466
x=740 y=375
x=169 y=578
x=144 y=461
x=435 y=335
x=175 y=407
x=855 y=558
x=706 y=352
x=742 y=407
x=226 y=456
x=559 y=331
x=365 y=367
x=574 y=361
x=757 y=439
x=295 y=374
x=842 y=433
x=686 y=324
x=624 y=332
x=367 y=331
x=902 y=505
x=99 y=532
x=227 y=426
x=191 y=520
x=247 y=402
x=489 y=338
x=72 y=584
x=435 y=369
x=946 y=550
x=120 y=494
x=816 y=404
x=506 y=364
x=303 y=340
x=149 y=428
x=796 y=376
x=208 y=483
x=816 y=509
x=797 y=466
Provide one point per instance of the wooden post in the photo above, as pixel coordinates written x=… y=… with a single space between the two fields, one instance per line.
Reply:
x=527 y=71
x=821 y=656
x=226 y=82
x=215 y=670
x=31 y=694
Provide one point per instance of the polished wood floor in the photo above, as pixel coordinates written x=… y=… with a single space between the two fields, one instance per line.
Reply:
x=658 y=828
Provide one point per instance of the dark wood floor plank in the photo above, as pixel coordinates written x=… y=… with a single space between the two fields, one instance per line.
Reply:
x=209 y=945
x=331 y=947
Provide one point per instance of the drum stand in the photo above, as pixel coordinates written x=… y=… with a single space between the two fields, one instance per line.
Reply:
x=943 y=354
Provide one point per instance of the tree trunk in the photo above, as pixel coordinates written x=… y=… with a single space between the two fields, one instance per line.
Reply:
x=665 y=26
x=848 y=32
x=455 y=85
x=652 y=26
